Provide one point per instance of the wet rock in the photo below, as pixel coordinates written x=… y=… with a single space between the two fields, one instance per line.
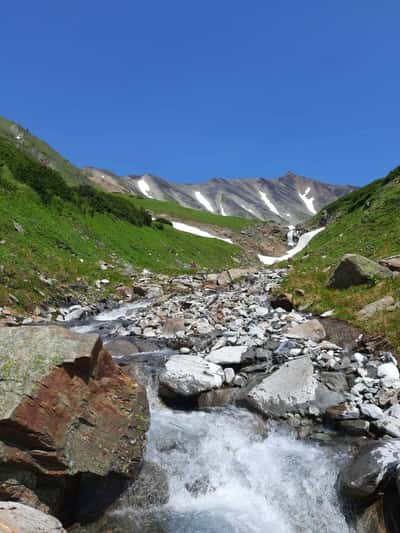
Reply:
x=19 y=518
x=388 y=425
x=311 y=329
x=357 y=428
x=355 y=269
x=289 y=389
x=342 y=411
x=217 y=398
x=365 y=474
x=189 y=375
x=67 y=412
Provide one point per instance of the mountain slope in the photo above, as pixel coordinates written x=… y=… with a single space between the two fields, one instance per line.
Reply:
x=41 y=151
x=289 y=200
x=367 y=222
x=53 y=237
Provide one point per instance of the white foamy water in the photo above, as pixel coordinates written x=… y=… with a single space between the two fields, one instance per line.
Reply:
x=226 y=476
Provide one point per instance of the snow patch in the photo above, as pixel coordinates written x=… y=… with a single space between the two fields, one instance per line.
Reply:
x=200 y=198
x=268 y=203
x=144 y=187
x=303 y=241
x=309 y=202
x=196 y=231
x=248 y=209
x=223 y=211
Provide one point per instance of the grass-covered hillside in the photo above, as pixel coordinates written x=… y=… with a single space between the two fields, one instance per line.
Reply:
x=39 y=150
x=172 y=209
x=49 y=230
x=366 y=221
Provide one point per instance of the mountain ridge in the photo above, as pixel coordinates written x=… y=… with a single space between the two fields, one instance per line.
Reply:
x=287 y=199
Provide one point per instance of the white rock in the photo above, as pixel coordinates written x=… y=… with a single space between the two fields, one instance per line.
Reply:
x=227 y=355
x=189 y=375
x=229 y=375
x=358 y=358
x=388 y=371
x=371 y=411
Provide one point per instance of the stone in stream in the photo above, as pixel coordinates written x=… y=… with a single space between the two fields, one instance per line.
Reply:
x=69 y=418
x=311 y=329
x=227 y=355
x=19 y=518
x=369 y=470
x=355 y=269
x=289 y=389
x=189 y=375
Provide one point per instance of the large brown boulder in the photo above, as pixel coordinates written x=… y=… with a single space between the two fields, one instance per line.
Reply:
x=70 y=420
x=355 y=269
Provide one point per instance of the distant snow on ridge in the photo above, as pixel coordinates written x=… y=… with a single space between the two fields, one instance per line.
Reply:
x=268 y=203
x=200 y=198
x=309 y=202
x=144 y=187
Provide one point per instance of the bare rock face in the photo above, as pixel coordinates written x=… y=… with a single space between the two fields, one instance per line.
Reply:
x=19 y=518
x=69 y=418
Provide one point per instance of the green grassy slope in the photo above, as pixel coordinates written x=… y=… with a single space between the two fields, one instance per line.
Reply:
x=172 y=209
x=366 y=221
x=41 y=151
x=66 y=235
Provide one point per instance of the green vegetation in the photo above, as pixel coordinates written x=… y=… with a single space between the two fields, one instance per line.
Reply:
x=67 y=231
x=40 y=151
x=173 y=209
x=367 y=222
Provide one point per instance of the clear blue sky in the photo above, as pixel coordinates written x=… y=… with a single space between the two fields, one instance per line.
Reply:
x=191 y=89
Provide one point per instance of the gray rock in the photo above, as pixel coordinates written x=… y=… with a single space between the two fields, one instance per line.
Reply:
x=355 y=269
x=343 y=411
x=380 y=305
x=189 y=375
x=362 y=478
x=19 y=518
x=228 y=355
x=335 y=381
x=388 y=425
x=371 y=411
x=289 y=389
x=312 y=330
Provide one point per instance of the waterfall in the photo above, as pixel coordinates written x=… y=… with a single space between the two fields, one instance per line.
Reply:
x=291 y=236
x=226 y=475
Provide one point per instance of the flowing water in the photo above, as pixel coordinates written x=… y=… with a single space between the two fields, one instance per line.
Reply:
x=226 y=474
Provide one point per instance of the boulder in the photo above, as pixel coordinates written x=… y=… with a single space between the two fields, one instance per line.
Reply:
x=368 y=471
x=19 y=518
x=371 y=309
x=311 y=329
x=227 y=355
x=393 y=263
x=355 y=269
x=217 y=398
x=189 y=375
x=68 y=417
x=290 y=389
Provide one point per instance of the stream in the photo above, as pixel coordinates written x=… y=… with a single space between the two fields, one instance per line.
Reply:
x=227 y=474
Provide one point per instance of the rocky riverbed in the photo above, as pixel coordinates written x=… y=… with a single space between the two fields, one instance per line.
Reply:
x=255 y=412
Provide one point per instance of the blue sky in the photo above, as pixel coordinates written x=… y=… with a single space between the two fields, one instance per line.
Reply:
x=192 y=90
